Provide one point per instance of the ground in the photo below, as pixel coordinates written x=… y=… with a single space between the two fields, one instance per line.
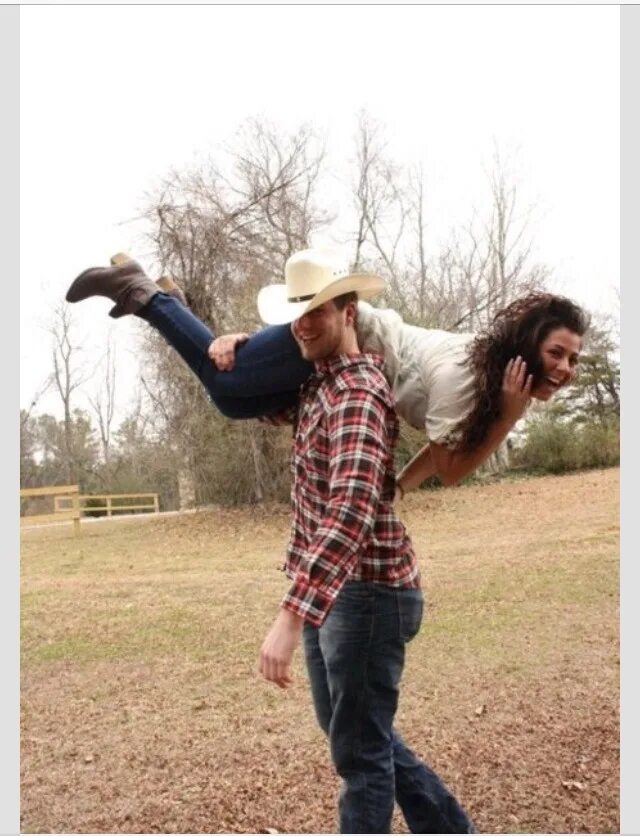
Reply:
x=141 y=711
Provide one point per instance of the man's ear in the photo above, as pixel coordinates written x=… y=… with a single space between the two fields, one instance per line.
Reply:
x=351 y=313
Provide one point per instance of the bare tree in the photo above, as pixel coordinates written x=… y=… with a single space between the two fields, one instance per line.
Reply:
x=68 y=378
x=25 y=414
x=380 y=201
x=103 y=401
x=493 y=258
x=483 y=268
x=222 y=232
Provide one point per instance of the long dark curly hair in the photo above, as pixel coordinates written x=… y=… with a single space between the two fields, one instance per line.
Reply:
x=517 y=329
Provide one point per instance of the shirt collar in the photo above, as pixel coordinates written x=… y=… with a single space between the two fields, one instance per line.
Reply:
x=333 y=365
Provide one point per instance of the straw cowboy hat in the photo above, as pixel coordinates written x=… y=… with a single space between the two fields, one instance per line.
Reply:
x=312 y=277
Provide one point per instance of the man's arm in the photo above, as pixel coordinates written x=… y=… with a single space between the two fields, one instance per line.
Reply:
x=357 y=425
x=359 y=449
x=222 y=351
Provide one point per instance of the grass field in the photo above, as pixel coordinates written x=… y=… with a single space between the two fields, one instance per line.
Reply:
x=141 y=711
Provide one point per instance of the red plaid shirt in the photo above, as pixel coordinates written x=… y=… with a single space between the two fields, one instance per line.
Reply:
x=344 y=526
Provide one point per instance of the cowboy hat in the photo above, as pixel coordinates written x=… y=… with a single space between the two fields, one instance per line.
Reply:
x=312 y=277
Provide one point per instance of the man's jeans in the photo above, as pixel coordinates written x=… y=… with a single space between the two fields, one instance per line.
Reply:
x=268 y=369
x=355 y=663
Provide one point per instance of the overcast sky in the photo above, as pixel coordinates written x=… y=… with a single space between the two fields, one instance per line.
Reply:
x=113 y=97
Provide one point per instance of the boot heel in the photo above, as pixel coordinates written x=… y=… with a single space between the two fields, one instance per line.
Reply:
x=119 y=258
x=167 y=284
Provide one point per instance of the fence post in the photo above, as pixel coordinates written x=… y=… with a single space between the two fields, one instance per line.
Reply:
x=108 y=506
x=155 y=503
x=75 y=503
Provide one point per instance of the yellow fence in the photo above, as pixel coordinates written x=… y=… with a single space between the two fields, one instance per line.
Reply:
x=72 y=513
x=108 y=506
x=69 y=505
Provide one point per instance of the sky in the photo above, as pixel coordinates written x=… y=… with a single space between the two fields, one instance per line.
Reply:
x=114 y=97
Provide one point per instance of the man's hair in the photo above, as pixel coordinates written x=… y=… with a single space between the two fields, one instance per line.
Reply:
x=342 y=301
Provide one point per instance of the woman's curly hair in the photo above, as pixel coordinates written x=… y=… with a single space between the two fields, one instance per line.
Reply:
x=517 y=329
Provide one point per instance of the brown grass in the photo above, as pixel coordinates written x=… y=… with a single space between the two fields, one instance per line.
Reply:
x=141 y=711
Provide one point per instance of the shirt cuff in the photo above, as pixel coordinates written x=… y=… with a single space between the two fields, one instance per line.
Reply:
x=308 y=601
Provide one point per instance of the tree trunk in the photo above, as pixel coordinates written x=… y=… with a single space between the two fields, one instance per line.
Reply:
x=258 y=467
x=186 y=487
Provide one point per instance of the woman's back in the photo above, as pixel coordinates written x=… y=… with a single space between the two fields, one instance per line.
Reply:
x=431 y=382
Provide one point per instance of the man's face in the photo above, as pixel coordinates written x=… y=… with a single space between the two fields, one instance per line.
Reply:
x=322 y=332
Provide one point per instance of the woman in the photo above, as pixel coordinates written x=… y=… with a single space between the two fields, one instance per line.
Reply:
x=466 y=390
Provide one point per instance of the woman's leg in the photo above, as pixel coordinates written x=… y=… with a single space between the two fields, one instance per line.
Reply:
x=268 y=369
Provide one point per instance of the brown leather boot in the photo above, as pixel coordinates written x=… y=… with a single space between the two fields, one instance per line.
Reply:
x=125 y=284
x=167 y=285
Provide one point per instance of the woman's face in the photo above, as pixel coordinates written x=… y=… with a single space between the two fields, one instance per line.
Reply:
x=559 y=353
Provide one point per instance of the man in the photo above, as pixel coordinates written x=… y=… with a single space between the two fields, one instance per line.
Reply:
x=355 y=597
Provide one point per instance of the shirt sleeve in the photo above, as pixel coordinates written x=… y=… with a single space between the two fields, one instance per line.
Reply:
x=451 y=396
x=359 y=454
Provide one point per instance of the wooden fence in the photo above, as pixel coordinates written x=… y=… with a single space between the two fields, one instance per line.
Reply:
x=108 y=506
x=72 y=513
x=69 y=505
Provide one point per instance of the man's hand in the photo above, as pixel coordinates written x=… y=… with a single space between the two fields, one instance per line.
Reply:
x=277 y=649
x=223 y=350
x=516 y=390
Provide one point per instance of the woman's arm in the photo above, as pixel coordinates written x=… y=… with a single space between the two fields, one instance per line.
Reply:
x=452 y=465
x=416 y=471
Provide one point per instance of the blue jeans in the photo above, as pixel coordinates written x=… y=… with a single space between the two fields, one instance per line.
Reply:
x=355 y=662
x=268 y=370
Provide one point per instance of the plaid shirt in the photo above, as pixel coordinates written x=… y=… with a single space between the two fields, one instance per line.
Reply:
x=344 y=526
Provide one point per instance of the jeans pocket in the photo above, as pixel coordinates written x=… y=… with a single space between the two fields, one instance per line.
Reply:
x=411 y=611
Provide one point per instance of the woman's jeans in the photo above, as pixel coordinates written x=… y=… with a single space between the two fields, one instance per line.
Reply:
x=268 y=369
x=355 y=661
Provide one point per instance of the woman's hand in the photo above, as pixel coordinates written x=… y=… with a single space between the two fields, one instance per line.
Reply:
x=223 y=350
x=516 y=390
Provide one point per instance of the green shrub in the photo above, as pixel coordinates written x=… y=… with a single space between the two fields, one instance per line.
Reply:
x=600 y=444
x=552 y=445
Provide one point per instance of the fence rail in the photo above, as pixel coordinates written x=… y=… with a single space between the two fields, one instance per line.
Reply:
x=70 y=505
x=108 y=507
x=70 y=493
x=49 y=490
